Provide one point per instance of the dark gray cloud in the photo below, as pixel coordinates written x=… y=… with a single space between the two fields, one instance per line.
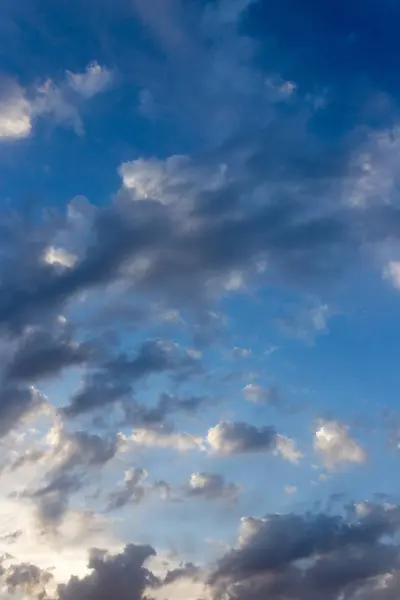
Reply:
x=41 y=355
x=122 y=576
x=132 y=490
x=15 y=403
x=353 y=554
x=312 y=555
x=26 y=579
x=114 y=381
x=52 y=500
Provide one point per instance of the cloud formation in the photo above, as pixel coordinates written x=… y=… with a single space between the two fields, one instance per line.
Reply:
x=230 y=438
x=212 y=487
x=336 y=447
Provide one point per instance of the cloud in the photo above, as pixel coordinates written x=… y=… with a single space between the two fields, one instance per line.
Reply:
x=229 y=438
x=336 y=447
x=255 y=393
x=392 y=273
x=238 y=438
x=175 y=181
x=17 y=402
x=65 y=465
x=41 y=354
x=27 y=579
x=149 y=417
x=319 y=554
x=15 y=116
x=286 y=448
x=164 y=438
x=51 y=101
x=212 y=487
x=120 y=576
x=113 y=381
x=311 y=555
x=94 y=80
x=307 y=323
x=59 y=256
x=20 y=107
x=131 y=491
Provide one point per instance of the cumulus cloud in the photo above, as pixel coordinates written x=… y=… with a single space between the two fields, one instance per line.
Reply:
x=212 y=487
x=298 y=555
x=336 y=447
x=238 y=437
x=229 y=438
x=121 y=576
x=351 y=554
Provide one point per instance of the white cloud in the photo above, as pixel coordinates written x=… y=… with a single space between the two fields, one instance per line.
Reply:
x=15 y=117
x=51 y=100
x=287 y=449
x=174 y=180
x=392 y=273
x=212 y=487
x=336 y=447
x=374 y=169
x=290 y=489
x=184 y=588
x=93 y=81
x=180 y=441
x=59 y=256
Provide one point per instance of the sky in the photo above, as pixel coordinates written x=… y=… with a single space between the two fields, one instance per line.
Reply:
x=199 y=300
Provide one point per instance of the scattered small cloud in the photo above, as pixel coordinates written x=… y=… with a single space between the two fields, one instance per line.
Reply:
x=94 y=80
x=336 y=447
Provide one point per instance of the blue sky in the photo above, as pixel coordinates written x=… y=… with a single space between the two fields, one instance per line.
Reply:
x=199 y=299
